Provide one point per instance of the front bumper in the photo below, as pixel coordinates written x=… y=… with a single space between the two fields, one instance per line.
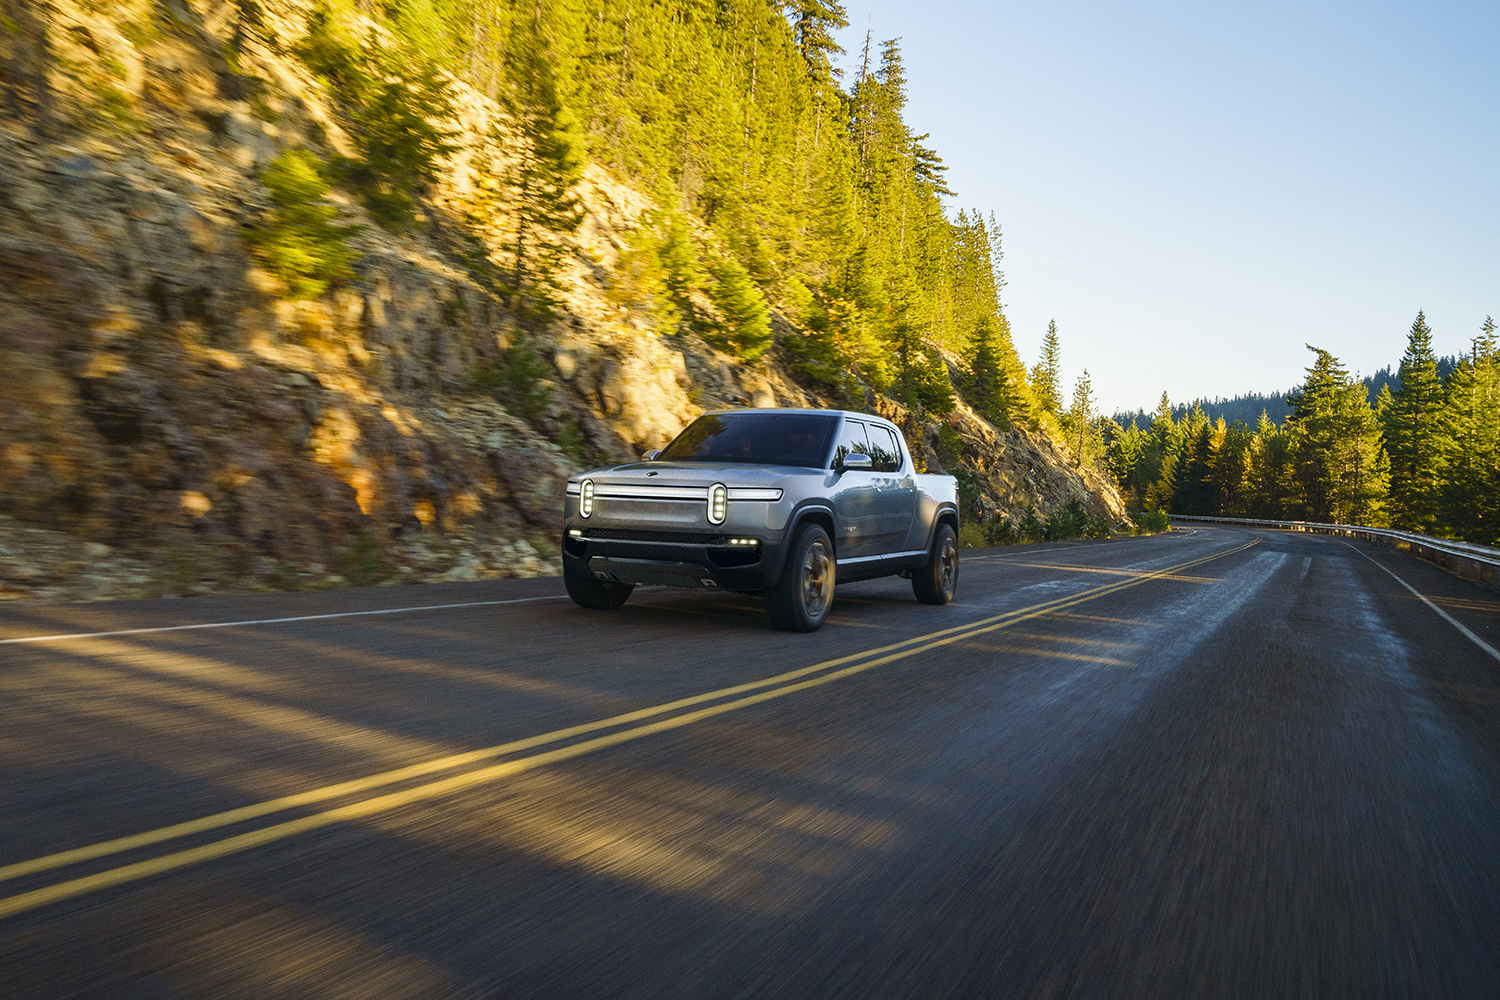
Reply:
x=672 y=559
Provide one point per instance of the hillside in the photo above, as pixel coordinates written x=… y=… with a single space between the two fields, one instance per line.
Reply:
x=181 y=411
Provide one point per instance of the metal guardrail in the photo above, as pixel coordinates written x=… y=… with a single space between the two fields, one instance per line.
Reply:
x=1475 y=562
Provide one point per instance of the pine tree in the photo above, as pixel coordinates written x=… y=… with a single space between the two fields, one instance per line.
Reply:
x=1416 y=434
x=1312 y=420
x=813 y=25
x=1194 y=493
x=1160 y=458
x=1468 y=500
x=746 y=328
x=1259 y=481
x=547 y=166
x=1228 y=479
x=1342 y=470
x=1269 y=472
x=403 y=101
x=934 y=387
x=987 y=388
x=1358 y=467
x=1046 y=377
x=997 y=254
x=1080 y=420
x=1123 y=460
x=679 y=257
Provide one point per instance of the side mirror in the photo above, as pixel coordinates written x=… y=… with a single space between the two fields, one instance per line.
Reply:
x=650 y=456
x=856 y=462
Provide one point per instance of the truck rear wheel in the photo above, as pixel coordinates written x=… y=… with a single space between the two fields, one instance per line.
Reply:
x=935 y=582
x=799 y=601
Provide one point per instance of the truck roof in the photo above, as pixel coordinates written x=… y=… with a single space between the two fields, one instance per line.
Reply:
x=799 y=409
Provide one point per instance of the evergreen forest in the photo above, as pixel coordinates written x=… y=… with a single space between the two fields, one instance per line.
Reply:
x=1422 y=455
x=1248 y=407
x=795 y=210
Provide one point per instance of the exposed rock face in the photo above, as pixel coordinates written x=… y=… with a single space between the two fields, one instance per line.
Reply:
x=171 y=422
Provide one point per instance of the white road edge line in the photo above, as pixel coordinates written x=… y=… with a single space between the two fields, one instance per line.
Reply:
x=1446 y=616
x=278 y=621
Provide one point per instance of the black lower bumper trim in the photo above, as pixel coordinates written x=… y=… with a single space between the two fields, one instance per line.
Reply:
x=673 y=565
x=661 y=572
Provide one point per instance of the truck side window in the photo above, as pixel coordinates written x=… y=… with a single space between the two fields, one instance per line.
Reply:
x=884 y=449
x=851 y=439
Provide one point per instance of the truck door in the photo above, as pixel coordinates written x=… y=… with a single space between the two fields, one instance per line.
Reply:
x=895 y=500
x=856 y=521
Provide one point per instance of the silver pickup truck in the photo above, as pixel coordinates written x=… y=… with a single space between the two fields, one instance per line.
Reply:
x=770 y=502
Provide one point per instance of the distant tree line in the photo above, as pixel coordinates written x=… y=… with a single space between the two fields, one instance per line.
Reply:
x=1249 y=406
x=1422 y=455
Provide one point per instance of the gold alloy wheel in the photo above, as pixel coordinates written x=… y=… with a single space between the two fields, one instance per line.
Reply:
x=817 y=579
x=948 y=565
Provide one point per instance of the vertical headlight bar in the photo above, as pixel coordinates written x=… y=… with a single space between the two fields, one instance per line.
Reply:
x=718 y=503
x=586 y=498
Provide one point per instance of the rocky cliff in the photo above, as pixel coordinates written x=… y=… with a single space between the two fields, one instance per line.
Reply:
x=172 y=421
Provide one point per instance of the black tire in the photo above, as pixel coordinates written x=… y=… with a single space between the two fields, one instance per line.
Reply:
x=799 y=601
x=598 y=595
x=937 y=579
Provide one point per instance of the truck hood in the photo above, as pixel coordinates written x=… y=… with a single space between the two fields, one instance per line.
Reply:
x=696 y=474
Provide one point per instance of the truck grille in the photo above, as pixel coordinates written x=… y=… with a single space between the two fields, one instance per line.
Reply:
x=627 y=535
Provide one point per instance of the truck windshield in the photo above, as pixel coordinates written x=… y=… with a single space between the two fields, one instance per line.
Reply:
x=755 y=438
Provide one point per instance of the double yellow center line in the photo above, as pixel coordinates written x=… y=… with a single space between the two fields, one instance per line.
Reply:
x=627 y=727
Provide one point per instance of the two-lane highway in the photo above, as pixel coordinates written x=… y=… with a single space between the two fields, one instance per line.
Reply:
x=1217 y=762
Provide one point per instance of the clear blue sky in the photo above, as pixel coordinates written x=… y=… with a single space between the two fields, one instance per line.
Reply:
x=1195 y=191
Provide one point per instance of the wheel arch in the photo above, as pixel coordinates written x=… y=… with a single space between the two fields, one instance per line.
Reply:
x=946 y=515
x=813 y=514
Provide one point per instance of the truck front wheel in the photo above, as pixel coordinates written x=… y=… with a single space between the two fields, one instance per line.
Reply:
x=799 y=601
x=599 y=595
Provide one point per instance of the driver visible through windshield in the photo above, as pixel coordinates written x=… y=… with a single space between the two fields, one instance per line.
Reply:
x=800 y=439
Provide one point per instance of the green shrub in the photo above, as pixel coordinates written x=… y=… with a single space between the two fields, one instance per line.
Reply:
x=1072 y=521
x=570 y=440
x=301 y=244
x=971 y=536
x=111 y=110
x=968 y=492
x=1032 y=528
x=999 y=531
x=362 y=562
x=1149 y=522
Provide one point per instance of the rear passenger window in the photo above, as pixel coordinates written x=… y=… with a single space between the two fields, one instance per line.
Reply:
x=852 y=439
x=884 y=449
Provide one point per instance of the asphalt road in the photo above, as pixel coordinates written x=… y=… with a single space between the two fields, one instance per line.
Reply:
x=1215 y=763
